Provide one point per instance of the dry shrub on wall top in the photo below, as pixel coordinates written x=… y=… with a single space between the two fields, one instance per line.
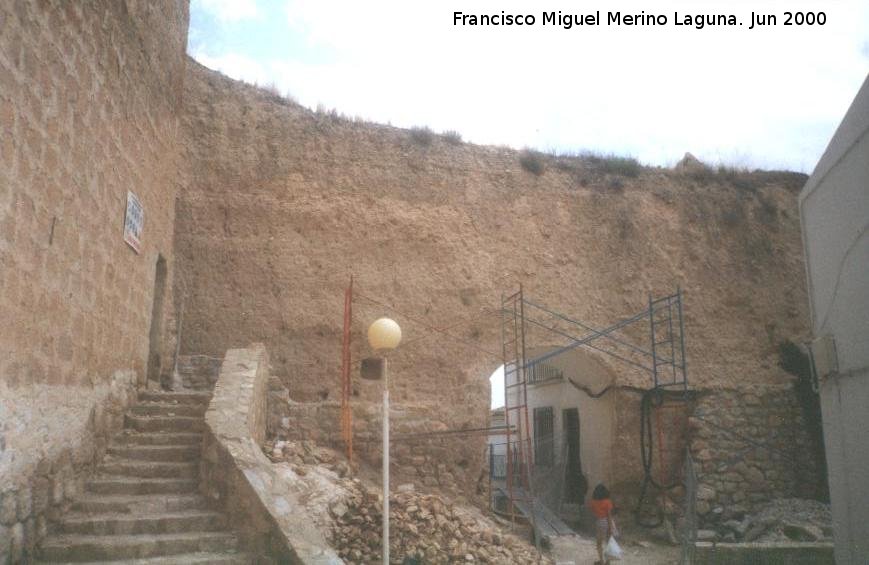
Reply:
x=331 y=114
x=585 y=163
x=532 y=161
x=742 y=178
x=422 y=135
x=614 y=164
x=273 y=93
x=452 y=137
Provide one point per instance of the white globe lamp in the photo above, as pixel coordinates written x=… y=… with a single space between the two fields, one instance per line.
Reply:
x=384 y=334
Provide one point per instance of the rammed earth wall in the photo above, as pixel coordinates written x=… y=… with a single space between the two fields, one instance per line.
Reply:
x=90 y=94
x=286 y=204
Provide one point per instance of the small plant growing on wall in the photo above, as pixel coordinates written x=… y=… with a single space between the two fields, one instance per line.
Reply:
x=452 y=137
x=422 y=136
x=532 y=161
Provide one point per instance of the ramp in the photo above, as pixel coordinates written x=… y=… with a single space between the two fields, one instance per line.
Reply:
x=547 y=524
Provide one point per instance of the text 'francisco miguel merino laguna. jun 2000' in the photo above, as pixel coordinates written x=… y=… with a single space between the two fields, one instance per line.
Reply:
x=563 y=20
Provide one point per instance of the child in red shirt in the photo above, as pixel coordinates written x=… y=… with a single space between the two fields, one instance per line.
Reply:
x=602 y=508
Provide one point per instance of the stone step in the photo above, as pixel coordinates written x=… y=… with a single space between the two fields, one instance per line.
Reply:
x=156 y=452
x=168 y=409
x=78 y=548
x=132 y=437
x=145 y=504
x=163 y=423
x=148 y=469
x=123 y=485
x=130 y=524
x=223 y=558
x=181 y=397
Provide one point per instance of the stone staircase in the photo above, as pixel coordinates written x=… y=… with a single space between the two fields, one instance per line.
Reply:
x=142 y=505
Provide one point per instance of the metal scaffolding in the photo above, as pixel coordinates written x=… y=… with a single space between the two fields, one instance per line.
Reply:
x=663 y=360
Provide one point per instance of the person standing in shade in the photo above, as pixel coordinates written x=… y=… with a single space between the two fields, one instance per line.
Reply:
x=602 y=509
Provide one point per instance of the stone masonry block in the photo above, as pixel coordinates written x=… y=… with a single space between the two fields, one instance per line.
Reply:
x=8 y=508
x=25 y=503
x=17 y=545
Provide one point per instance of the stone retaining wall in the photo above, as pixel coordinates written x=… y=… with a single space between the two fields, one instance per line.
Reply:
x=768 y=553
x=198 y=371
x=27 y=508
x=450 y=463
x=751 y=446
x=260 y=500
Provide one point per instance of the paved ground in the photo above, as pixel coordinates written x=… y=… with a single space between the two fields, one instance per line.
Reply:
x=580 y=550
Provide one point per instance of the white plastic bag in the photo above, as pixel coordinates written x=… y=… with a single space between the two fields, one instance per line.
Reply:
x=613 y=550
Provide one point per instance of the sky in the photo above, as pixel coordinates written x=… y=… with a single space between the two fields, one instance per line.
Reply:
x=764 y=98
x=496 y=380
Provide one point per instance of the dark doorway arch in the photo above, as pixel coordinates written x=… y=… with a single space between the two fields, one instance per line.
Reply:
x=156 y=331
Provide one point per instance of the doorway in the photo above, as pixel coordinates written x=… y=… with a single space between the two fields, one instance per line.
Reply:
x=156 y=331
x=575 y=483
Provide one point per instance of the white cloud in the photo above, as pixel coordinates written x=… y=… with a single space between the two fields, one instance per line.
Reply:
x=236 y=66
x=230 y=10
x=764 y=98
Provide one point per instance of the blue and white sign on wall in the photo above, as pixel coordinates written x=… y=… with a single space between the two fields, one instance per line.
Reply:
x=133 y=222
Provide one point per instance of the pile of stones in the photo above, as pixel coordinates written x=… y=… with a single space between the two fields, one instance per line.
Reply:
x=788 y=519
x=303 y=453
x=423 y=529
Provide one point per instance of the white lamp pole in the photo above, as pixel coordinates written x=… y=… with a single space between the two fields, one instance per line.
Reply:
x=384 y=334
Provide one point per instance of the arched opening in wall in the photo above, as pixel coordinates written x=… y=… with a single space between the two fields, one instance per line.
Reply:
x=156 y=330
x=496 y=386
x=572 y=432
x=497 y=439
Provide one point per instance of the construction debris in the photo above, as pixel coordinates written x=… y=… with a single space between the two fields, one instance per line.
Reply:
x=789 y=519
x=424 y=528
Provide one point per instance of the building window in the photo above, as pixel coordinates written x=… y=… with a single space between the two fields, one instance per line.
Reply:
x=541 y=372
x=544 y=450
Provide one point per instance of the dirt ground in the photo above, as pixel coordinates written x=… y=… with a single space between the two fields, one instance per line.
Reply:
x=581 y=550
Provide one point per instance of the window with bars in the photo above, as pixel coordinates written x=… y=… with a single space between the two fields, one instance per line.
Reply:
x=544 y=423
x=541 y=372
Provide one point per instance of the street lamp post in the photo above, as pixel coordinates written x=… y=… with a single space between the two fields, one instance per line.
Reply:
x=383 y=335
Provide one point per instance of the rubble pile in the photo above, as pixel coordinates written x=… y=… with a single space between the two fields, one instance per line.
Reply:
x=787 y=519
x=307 y=452
x=423 y=529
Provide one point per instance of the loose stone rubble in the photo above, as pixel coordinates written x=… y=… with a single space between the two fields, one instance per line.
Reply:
x=424 y=528
x=781 y=520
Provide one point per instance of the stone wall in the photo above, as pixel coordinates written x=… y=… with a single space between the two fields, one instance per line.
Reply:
x=198 y=371
x=750 y=446
x=89 y=102
x=450 y=464
x=260 y=501
x=29 y=504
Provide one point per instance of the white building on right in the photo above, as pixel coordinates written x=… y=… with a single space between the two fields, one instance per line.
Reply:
x=834 y=209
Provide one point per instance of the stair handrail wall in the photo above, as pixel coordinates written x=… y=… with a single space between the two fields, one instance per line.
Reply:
x=262 y=502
